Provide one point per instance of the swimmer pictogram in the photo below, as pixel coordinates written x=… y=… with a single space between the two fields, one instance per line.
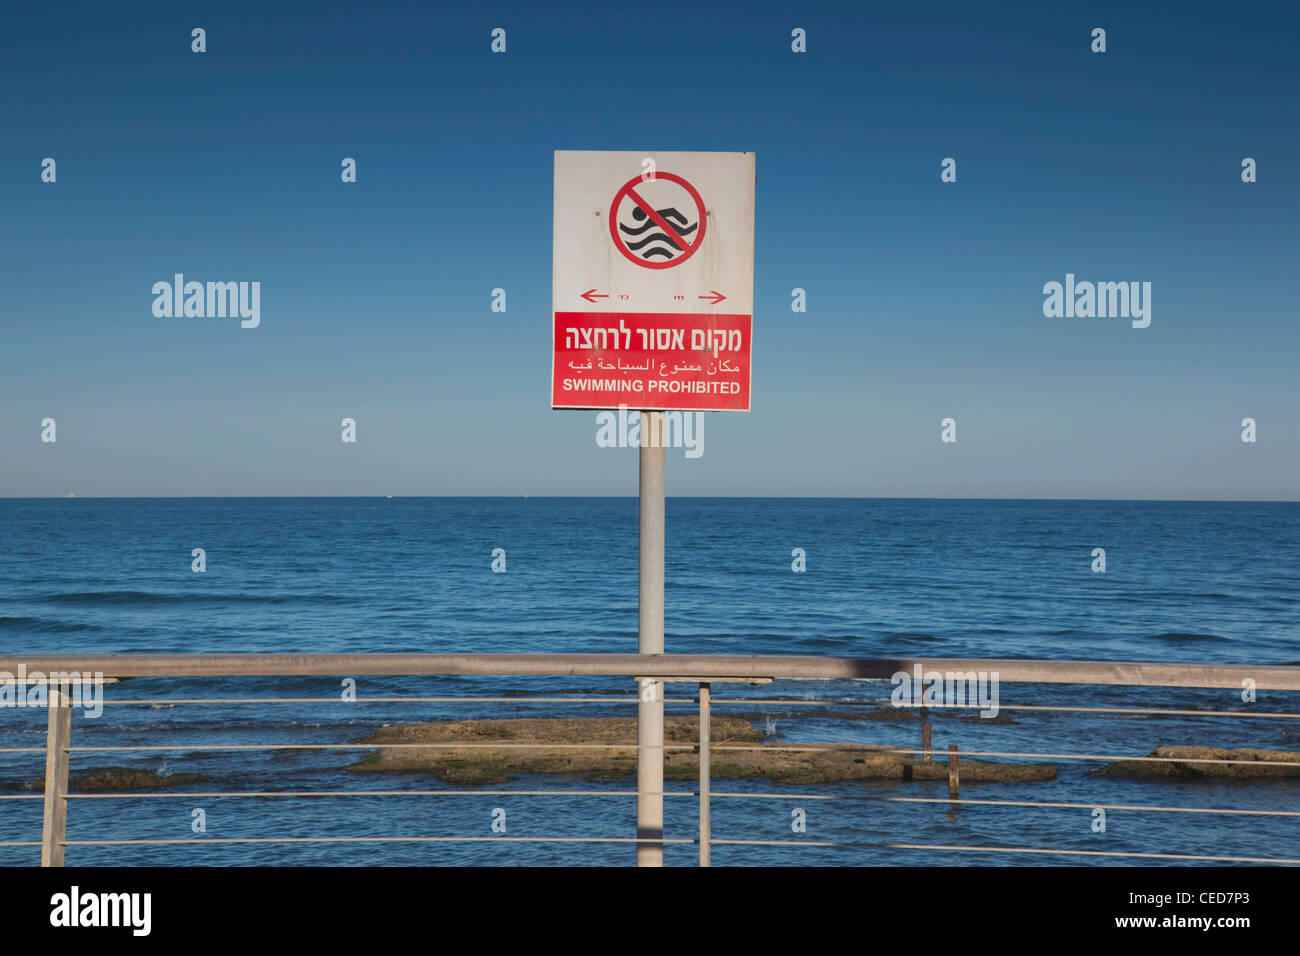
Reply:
x=658 y=223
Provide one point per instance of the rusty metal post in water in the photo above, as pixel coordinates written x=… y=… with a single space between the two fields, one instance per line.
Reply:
x=925 y=733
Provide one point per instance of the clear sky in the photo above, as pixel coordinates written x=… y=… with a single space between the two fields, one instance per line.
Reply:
x=924 y=299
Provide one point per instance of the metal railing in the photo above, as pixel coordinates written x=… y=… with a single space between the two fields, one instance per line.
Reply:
x=701 y=670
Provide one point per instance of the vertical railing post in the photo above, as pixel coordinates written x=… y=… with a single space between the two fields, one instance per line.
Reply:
x=54 y=825
x=925 y=733
x=954 y=781
x=706 y=730
x=650 y=640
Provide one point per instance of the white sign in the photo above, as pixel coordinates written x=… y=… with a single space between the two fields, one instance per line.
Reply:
x=653 y=280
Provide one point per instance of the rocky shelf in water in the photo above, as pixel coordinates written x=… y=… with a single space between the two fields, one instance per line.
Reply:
x=466 y=753
x=1178 y=764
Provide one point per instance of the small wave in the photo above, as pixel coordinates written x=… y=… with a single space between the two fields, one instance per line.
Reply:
x=655 y=237
x=1177 y=637
x=149 y=597
x=43 y=625
x=660 y=243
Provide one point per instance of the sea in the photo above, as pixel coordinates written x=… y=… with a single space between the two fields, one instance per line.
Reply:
x=1197 y=582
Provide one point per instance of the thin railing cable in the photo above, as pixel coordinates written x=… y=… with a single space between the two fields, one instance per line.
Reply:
x=1111 y=853
x=866 y=798
x=849 y=798
x=376 y=839
x=765 y=748
x=876 y=750
x=1059 y=708
x=671 y=840
x=1007 y=849
x=162 y=702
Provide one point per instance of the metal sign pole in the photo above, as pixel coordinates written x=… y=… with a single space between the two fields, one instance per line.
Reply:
x=650 y=606
x=633 y=317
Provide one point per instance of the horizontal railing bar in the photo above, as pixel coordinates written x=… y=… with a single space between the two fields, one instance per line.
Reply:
x=769 y=701
x=375 y=793
x=630 y=699
x=703 y=666
x=382 y=839
x=429 y=746
x=751 y=701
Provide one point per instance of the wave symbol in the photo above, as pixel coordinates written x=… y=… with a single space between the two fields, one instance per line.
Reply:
x=660 y=243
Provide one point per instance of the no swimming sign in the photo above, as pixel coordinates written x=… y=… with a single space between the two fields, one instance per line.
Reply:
x=653 y=280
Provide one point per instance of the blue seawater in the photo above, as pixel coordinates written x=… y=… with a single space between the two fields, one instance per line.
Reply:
x=1184 y=582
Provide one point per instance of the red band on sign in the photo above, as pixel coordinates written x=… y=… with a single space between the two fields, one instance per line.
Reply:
x=687 y=361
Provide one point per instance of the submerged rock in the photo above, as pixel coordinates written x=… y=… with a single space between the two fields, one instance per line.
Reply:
x=120 y=779
x=466 y=754
x=1262 y=763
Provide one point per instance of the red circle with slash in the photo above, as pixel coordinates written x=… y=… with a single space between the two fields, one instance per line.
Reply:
x=687 y=248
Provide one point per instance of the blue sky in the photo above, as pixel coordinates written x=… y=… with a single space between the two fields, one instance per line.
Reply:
x=924 y=298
